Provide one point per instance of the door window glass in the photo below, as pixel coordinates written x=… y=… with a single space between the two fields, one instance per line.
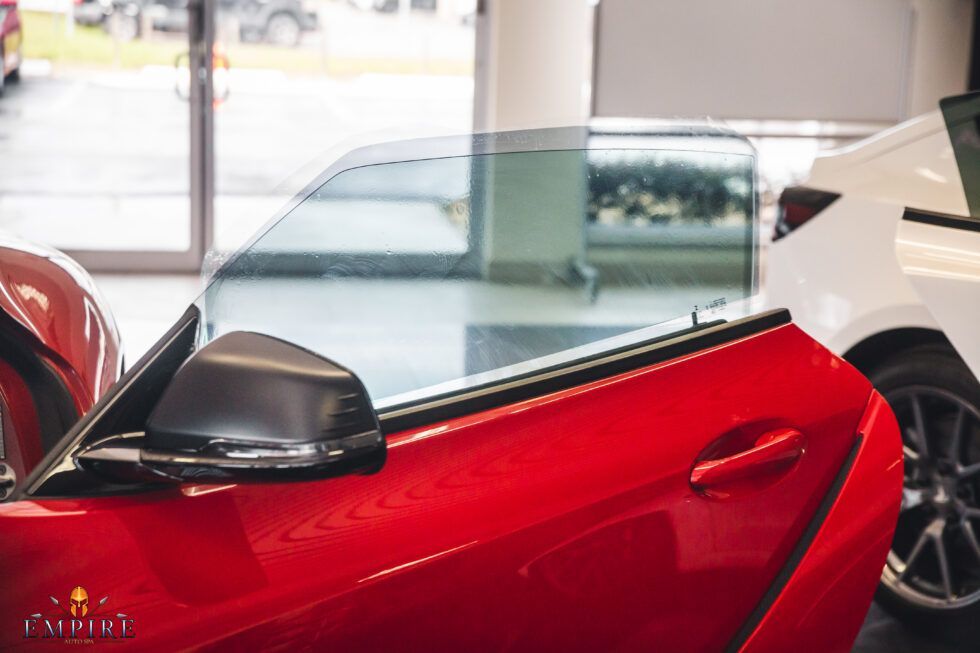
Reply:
x=438 y=265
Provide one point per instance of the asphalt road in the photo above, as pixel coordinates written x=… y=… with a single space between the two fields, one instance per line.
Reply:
x=101 y=158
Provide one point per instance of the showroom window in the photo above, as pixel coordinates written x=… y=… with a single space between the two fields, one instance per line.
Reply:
x=110 y=157
x=485 y=258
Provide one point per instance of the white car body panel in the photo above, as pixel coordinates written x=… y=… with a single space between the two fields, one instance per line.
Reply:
x=838 y=273
x=911 y=164
x=839 y=277
x=943 y=265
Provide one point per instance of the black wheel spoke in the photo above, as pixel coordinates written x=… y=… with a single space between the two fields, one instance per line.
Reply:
x=920 y=544
x=968 y=471
x=918 y=430
x=913 y=467
x=956 y=443
x=971 y=537
x=937 y=527
x=939 y=499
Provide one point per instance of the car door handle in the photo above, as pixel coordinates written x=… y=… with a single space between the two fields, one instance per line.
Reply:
x=776 y=451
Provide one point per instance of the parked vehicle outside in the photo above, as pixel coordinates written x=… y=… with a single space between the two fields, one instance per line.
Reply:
x=278 y=22
x=433 y=406
x=390 y=6
x=92 y=12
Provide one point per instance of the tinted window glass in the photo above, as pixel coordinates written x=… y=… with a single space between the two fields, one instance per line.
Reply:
x=431 y=275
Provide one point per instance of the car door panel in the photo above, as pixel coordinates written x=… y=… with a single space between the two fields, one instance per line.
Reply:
x=821 y=598
x=940 y=255
x=563 y=521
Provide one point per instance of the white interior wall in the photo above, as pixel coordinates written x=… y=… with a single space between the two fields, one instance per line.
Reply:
x=832 y=60
x=940 y=52
x=849 y=61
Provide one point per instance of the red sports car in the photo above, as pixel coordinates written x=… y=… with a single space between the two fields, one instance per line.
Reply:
x=11 y=38
x=59 y=352
x=498 y=393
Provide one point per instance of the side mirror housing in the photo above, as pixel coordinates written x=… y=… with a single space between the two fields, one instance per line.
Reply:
x=248 y=407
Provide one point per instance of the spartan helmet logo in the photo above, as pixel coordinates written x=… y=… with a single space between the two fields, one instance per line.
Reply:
x=78 y=600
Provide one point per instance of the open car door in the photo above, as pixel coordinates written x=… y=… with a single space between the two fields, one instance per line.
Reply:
x=940 y=253
x=499 y=393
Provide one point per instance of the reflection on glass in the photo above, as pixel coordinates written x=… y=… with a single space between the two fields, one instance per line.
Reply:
x=432 y=275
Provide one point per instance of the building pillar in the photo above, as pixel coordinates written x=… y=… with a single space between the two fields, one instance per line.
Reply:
x=533 y=63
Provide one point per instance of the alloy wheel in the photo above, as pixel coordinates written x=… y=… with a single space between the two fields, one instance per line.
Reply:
x=934 y=561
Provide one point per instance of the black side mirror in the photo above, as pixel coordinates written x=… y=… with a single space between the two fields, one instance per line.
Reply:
x=249 y=407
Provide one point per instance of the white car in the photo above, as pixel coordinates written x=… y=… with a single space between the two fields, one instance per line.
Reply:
x=878 y=257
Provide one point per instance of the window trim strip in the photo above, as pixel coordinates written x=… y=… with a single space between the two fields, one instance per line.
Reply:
x=656 y=350
x=941 y=219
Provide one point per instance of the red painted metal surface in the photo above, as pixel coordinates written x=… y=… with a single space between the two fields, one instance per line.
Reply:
x=825 y=600
x=68 y=325
x=566 y=522
x=21 y=429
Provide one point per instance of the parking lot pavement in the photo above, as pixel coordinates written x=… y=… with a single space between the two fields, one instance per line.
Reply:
x=102 y=156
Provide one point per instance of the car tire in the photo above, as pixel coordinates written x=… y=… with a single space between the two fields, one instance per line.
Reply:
x=283 y=29
x=936 y=379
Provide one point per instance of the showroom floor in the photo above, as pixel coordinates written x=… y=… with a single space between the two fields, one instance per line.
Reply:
x=882 y=634
x=146 y=305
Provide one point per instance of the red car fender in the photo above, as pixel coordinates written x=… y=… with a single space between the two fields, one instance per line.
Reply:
x=66 y=322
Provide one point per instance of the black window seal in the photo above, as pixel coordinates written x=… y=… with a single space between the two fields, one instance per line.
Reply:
x=941 y=219
x=625 y=359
